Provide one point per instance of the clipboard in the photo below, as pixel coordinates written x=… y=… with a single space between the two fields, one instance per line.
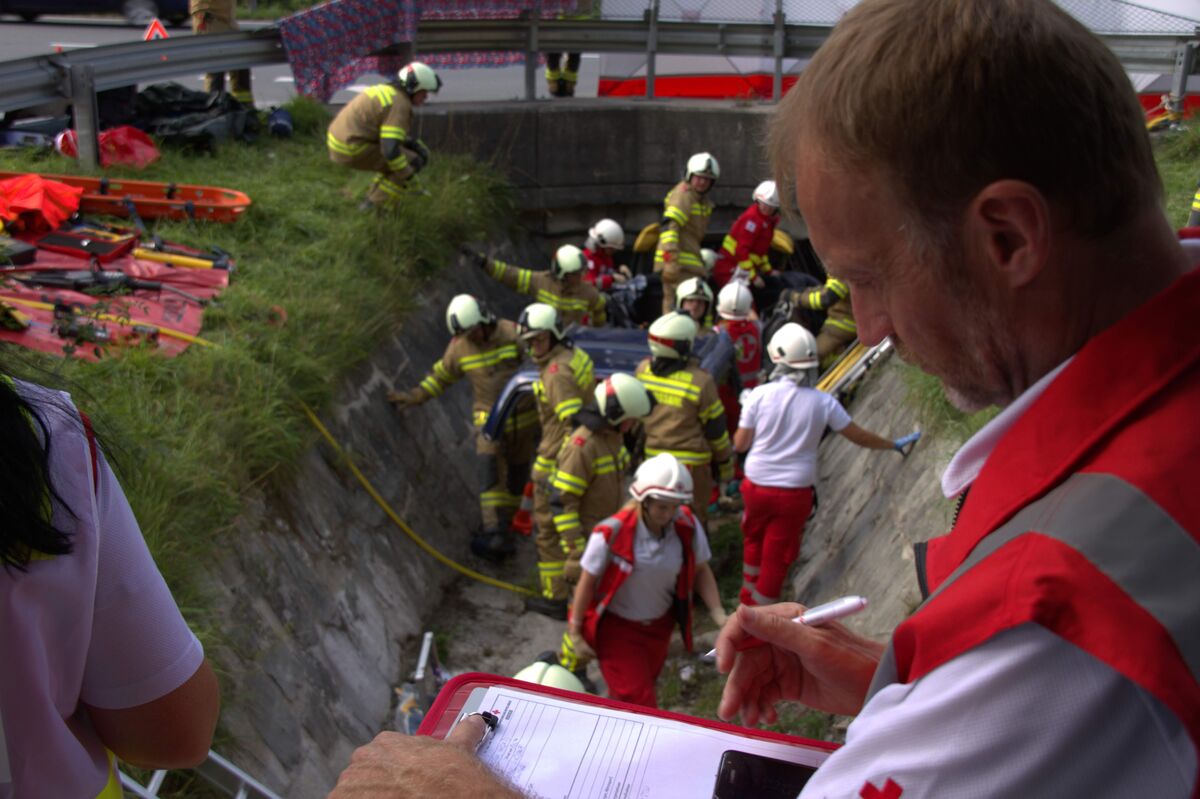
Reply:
x=454 y=694
x=553 y=742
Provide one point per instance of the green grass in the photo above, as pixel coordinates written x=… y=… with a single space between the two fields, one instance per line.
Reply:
x=271 y=9
x=193 y=434
x=1178 y=156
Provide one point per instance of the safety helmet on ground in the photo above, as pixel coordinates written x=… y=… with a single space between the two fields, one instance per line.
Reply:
x=709 y=257
x=551 y=674
x=767 y=193
x=703 y=164
x=464 y=312
x=622 y=396
x=417 y=77
x=662 y=477
x=568 y=259
x=794 y=347
x=538 y=317
x=694 y=288
x=671 y=335
x=607 y=233
x=734 y=301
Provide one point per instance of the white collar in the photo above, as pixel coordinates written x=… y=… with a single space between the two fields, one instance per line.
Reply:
x=968 y=461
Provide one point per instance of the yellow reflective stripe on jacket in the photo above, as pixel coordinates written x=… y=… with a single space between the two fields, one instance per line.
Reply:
x=605 y=464
x=729 y=245
x=568 y=408
x=399 y=163
x=721 y=441
x=432 y=385
x=702 y=209
x=384 y=94
x=566 y=523
x=666 y=388
x=524 y=276
x=339 y=146
x=842 y=324
x=686 y=457
x=489 y=358
x=522 y=420
x=543 y=465
x=691 y=258
x=837 y=287
x=442 y=373
x=568 y=483
x=480 y=418
x=583 y=368
x=388 y=187
x=675 y=214
x=561 y=303
x=712 y=412
x=392 y=132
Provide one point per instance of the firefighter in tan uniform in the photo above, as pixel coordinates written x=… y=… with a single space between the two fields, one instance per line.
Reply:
x=839 y=328
x=688 y=419
x=686 y=213
x=485 y=351
x=373 y=133
x=220 y=16
x=562 y=287
x=589 y=479
x=694 y=298
x=565 y=381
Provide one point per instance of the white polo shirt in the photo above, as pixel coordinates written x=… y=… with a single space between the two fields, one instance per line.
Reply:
x=649 y=590
x=788 y=422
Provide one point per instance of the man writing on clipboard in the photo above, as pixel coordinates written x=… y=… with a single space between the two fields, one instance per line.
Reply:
x=1056 y=655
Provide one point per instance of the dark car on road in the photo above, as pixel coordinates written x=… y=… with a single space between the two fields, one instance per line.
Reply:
x=137 y=12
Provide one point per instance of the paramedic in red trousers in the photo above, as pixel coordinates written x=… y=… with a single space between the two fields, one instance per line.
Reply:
x=780 y=428
x=640 y=570
x=1057 y=653
x=604 y=239
x=745 y=252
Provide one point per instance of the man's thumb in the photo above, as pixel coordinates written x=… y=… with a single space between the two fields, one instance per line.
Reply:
x=770 y=627
x=468 y=733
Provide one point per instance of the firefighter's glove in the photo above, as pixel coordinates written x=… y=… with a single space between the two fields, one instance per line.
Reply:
x=417 y=162
x=905 y=444
x=474 y=256
x=741 y=276
x=404 y=399
x=583 y=649
x=573 y=568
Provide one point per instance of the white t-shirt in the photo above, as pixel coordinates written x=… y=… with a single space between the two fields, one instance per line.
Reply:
x=788 y=422
x=649 y=590
x=96 y=626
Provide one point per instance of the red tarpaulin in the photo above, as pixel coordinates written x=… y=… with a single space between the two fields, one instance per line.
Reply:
x=30 y=203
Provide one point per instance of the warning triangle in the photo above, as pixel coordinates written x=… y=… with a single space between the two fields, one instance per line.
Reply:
x=155 y=30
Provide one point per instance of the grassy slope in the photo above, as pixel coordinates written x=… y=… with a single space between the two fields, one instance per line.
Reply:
x=192 y=433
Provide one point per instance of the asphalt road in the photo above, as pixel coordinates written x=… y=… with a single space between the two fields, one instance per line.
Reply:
x=273 y=85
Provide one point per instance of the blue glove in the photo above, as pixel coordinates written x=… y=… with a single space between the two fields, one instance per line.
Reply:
x=904 y=444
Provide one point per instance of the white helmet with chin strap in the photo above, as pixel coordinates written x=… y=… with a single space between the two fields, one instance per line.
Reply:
x=418 y=77
x=794 y=347
x=539 y=317
x=465 y=312
x=735 y=301
x=568 y=260
x=767 y=193
x=694 y=288
x=662 y=477
x=703 y=164
x=607 y=233
x=622 y=396
x=671 y=336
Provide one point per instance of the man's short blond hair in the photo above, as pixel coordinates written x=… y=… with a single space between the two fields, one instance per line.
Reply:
x=947 y=96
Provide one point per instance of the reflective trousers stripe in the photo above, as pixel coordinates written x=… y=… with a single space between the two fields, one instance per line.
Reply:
x=1095 y=514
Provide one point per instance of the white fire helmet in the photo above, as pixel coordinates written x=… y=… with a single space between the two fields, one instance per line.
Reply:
x=703 y=164
x=465 y=312
x=550 y=674
x=693 y=288
x=709 y=257
x=671 y=335
x=734 y=301
x=607 y=233
x=568 y=259
x=767 y=193
x=662 y=477
x=416 y=77
x=538 y=317
x=622 y=396
x=794 y=347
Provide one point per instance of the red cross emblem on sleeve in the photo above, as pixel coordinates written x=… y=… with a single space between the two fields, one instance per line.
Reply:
x=891 y=790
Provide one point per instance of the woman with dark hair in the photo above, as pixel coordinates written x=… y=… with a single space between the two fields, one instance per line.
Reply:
x=96 y=661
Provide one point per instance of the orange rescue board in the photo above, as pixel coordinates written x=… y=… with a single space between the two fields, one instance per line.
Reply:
x=153 y=199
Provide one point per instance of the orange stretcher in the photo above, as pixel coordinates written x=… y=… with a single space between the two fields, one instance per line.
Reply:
x=152 y=199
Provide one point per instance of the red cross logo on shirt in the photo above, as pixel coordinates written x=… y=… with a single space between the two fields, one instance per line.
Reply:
x=891 y=790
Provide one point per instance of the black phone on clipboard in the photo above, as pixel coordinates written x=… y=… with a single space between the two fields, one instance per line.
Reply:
x=747 y=776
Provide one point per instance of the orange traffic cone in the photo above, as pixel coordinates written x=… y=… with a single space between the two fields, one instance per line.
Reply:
x=522 y=521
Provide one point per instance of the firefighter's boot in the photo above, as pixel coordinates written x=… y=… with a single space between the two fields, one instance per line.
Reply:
x=494 y=544
x=554 y=608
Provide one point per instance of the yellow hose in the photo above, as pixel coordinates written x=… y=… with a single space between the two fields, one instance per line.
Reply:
x=121 y=320
x=382 y=503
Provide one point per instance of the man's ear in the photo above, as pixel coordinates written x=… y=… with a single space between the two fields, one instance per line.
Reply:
x=1009 y=222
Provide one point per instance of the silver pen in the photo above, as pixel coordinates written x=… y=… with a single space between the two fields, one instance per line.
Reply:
x=823 y=614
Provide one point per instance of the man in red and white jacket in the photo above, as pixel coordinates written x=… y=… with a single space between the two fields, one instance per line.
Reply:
x=604 y=238
x=745 y=252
